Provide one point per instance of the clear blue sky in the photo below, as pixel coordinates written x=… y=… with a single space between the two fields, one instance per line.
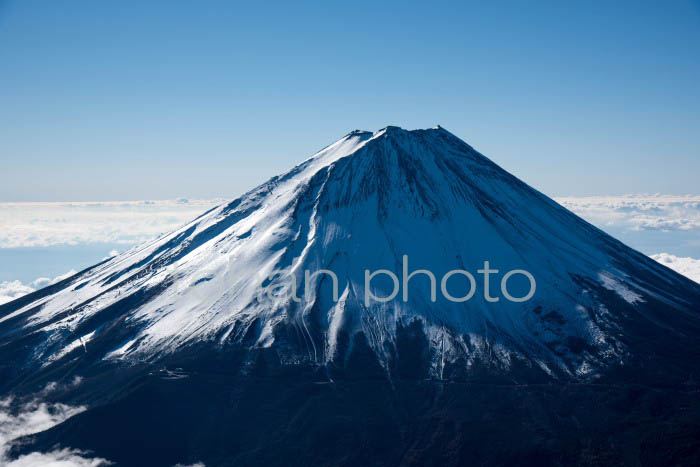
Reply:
x=115 y=100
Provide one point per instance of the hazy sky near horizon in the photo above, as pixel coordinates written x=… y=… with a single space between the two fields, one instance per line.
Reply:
x=155 y=100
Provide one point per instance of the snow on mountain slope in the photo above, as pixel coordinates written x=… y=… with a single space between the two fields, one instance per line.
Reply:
x=363 y=203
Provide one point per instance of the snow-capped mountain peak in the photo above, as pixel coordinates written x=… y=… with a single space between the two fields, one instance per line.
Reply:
x=387 y=200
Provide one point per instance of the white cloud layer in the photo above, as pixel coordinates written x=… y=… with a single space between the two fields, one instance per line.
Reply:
x=35 y=416
x=689 y=267
x=11 y=290
x=57 y=458
x=638 y=212
x=131 y=222
x=124 y=222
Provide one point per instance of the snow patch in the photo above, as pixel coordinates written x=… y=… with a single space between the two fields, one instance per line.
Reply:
x=611 y=283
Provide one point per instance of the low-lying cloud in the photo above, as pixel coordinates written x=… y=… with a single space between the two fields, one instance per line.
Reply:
x=122 y=222
x=131 y=222
x=689 y=267
x=11 y=290
x=638 y=212
x=18 y=419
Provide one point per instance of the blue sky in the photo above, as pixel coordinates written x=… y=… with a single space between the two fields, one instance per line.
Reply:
x=136 y=100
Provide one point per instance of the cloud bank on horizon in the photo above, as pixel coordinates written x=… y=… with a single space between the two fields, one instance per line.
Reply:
x=128 y=223
x=48 y=224
x=638 y=212
x=689 y=267
x=10 y=290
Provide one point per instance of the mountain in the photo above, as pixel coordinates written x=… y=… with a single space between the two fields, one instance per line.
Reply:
x=191 y=347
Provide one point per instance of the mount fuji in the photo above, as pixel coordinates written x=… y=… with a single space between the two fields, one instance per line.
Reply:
x=181 y=358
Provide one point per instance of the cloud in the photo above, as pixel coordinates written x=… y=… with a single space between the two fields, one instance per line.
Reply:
x=28 y=418
x=54 y=386
x=22 y=419
x=58 y=458
x=638 y=212
x=659 y=223
x=11 y=290
x=689 y=267
x=132 y=222
x=646 y=213
x=123 y=222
